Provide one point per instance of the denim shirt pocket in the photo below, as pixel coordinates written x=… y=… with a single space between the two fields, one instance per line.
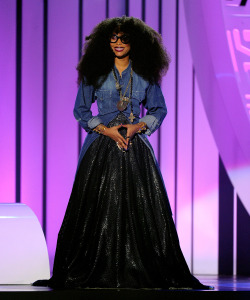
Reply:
x=139 y=95
x=104 y=100
x=137 y=98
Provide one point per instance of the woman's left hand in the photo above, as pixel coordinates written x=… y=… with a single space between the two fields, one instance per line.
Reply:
x=132 y=129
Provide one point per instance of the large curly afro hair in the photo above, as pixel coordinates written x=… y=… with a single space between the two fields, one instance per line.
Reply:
x=149 y=57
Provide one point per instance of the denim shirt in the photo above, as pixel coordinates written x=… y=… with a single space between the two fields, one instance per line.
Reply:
x=107 y=96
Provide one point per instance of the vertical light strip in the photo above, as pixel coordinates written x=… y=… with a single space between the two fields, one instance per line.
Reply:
x=62 y=127
x=151 y=19
x=32 y=106
x=18 y=96
x=143 y=17
x=206 y=195
x=152 y=14
x=80 y=47
x=86 y=13
x=116 y=8
x=168 y=89
x=184 y=137
x=159 y=130
x=235 y=234
x=90 y=19
x=7 y=99
x=135 y=8
x=192 y=172
x=45 y=74
x=176 y=105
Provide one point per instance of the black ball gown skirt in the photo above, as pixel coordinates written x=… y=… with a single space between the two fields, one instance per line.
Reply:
x=118 y=230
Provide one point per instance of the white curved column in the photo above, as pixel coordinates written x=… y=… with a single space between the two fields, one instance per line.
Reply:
x=23 y=252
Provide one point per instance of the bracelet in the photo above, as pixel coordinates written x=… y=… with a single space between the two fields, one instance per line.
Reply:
x=142 y=128
x=100 y=128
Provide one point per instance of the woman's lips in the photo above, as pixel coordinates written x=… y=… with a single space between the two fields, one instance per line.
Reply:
x=119 y=49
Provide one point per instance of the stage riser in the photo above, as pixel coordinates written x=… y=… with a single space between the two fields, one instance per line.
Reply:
x=125 y=295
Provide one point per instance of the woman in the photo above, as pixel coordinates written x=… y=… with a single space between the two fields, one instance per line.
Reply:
x=118 y=229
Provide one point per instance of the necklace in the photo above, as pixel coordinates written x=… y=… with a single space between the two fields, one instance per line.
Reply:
x=124 y=101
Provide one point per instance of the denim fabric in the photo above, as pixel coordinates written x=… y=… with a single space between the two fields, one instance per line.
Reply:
x=107 y=96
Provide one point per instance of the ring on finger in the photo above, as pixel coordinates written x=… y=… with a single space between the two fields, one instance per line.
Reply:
x=118 y=146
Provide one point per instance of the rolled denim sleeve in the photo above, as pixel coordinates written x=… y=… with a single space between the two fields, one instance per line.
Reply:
x=82 y=112
x=156 y=108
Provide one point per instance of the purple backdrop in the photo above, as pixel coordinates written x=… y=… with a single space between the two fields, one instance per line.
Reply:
x=185 y=147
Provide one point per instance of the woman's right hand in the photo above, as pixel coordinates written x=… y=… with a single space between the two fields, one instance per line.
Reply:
x=114 y=134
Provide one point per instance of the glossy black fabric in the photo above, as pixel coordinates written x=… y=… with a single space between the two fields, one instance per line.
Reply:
x=118 y=230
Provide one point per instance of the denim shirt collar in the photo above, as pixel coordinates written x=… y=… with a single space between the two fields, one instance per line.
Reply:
x=124 y=72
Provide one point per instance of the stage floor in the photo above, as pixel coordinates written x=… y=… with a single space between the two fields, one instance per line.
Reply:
x=224 y=288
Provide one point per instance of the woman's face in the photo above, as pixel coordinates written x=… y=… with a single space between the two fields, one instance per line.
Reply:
x=119 y=43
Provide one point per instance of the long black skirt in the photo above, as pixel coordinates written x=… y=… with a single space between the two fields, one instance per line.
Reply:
x=118 y=231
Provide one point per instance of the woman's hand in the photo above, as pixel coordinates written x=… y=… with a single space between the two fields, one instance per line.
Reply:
x=114 y=134
x=132 y=129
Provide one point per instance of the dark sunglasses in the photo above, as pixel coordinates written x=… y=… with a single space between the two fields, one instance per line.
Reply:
x=124 y=38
